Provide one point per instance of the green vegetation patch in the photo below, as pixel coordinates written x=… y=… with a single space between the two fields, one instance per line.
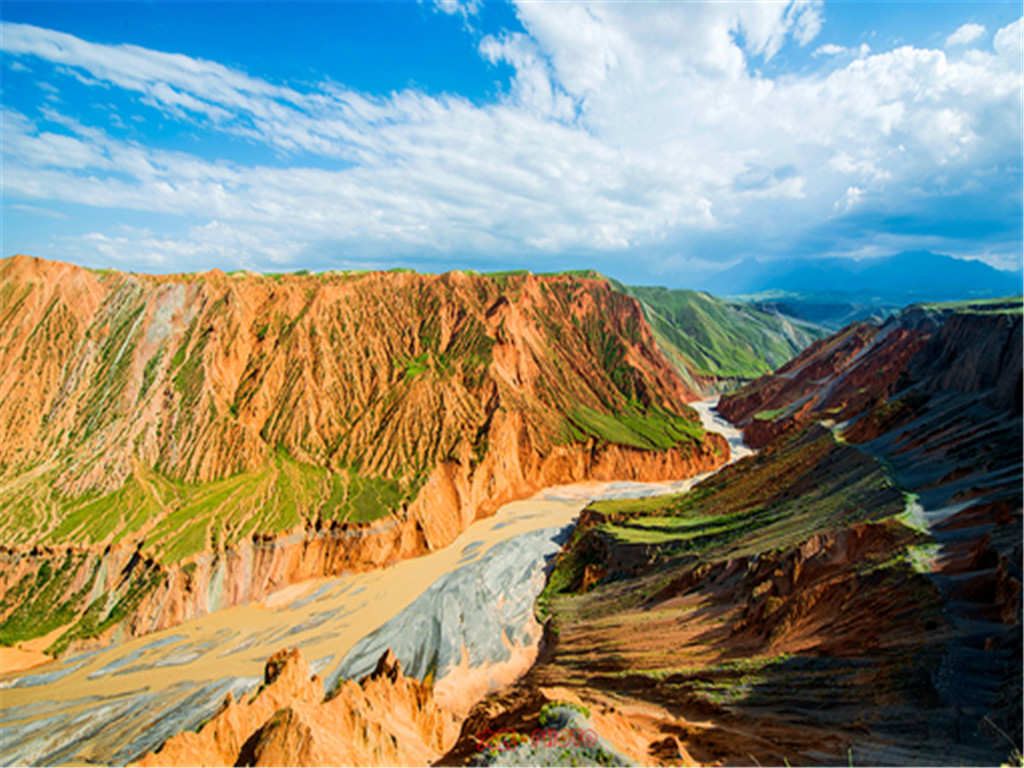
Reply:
x=358 y=499
x=767 y=502
x=181 y=519
x=770 y=415
x=567 y=574
x=150 y=372
x=1007 y=305
x=654 y=429
x=44 y=602
x=550 y=711
x=118 y=335
x=93 y=520
x=414 y=366
x=728 y=339
x=97 y=618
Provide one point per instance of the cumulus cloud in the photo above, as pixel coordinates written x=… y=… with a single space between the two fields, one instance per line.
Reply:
x=966 y=35
x=1009 y=39
x=647 y=128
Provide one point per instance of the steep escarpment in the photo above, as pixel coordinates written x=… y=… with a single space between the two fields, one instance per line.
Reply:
x=850 y=594
x=936 y=396
x=170 y=445
x=383 y=719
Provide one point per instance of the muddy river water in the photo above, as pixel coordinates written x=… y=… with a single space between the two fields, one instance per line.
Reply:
x=463 y=613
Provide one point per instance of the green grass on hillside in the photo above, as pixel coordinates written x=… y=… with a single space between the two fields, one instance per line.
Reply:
x=720 y=338
x=1007 y=305
x=763 y=504
x=180 y=519
x=771 y=414
x=175 y=521
x=653 y=430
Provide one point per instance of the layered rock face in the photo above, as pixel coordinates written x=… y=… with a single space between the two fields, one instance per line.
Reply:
x=850 y=594
x=176 y=444
x=206 y=376
x=873 y=370
x=383 y=719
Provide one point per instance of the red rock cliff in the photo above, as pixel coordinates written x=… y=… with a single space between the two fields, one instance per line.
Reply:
x=241 y=432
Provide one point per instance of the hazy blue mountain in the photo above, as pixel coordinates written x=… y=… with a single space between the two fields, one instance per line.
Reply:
x=901 y=279
x=835 y=292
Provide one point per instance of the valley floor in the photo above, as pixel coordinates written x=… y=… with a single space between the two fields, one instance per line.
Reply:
x=114 y=704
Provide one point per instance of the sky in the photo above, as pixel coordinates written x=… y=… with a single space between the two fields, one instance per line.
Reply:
x=653 y=141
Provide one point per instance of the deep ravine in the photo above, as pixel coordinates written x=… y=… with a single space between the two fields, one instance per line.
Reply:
x=117 y=703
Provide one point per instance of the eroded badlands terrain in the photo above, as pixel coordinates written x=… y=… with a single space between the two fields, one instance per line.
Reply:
x=402 y=519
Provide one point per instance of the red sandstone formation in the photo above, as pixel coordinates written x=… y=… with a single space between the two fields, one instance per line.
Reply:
x=384 y=719
x=159 y=434
x=860 y=371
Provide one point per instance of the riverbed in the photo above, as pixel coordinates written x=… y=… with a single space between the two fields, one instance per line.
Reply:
x=463 y=614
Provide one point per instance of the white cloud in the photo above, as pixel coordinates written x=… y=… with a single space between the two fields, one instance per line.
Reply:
x=532 y=86
x=808 y=21
x=644 y=126
x=966 y=35
x=1009 y=39
x=463 y=7
x=850 y=198
x=830 y=49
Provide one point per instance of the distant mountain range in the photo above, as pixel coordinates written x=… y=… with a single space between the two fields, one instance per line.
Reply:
x=909 y=276
x=836 y=291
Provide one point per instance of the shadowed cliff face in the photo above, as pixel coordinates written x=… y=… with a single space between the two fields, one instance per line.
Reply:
x=851 y=593
x=173 y=445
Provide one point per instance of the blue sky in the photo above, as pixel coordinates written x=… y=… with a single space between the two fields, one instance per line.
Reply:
x=656 y=142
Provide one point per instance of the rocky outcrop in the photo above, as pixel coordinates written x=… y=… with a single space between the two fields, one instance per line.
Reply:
x=974 y=354
x=383 y=719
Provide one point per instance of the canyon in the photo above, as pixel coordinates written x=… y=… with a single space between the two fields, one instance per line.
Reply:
x=390 y=518
x=114 y=704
